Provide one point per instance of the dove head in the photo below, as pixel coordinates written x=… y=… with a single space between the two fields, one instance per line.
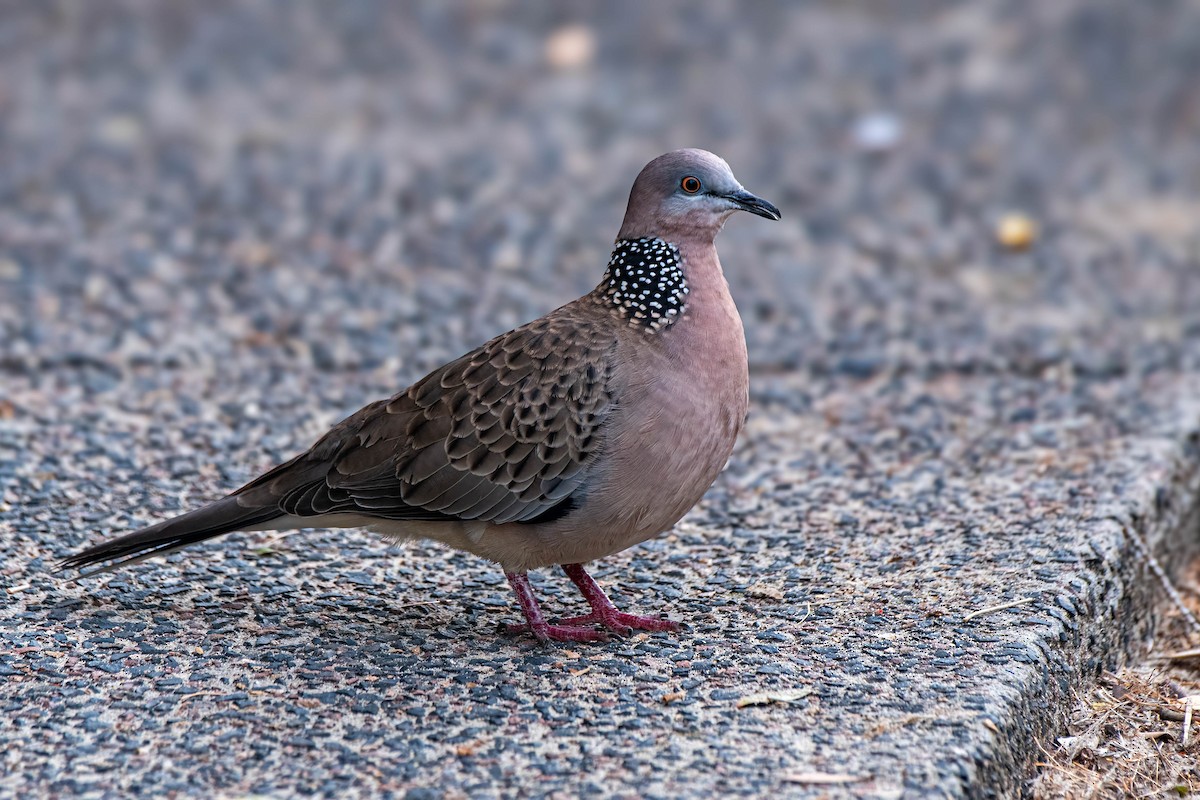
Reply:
x=687 y=194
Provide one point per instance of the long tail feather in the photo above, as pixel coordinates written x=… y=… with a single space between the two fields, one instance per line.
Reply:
x=223 y=516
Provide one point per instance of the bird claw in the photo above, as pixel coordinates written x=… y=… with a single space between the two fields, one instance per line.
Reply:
x=572 y=629
x=621 y=623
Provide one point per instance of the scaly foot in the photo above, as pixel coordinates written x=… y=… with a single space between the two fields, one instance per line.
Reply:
x=621 y=623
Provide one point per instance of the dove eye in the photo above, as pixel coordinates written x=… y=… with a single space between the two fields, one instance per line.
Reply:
x=690 y=184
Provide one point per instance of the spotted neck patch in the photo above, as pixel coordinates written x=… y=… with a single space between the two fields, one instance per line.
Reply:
x=645 y=282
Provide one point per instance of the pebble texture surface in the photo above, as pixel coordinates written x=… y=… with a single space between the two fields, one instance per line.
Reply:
x=224 y=225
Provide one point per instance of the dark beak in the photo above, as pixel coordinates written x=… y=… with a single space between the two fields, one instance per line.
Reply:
x=755 y=205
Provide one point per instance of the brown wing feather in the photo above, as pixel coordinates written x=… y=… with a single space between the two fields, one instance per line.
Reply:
x=503 y=434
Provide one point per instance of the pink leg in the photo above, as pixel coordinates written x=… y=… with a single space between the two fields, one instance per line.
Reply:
x=604 y=612
x=537 y=624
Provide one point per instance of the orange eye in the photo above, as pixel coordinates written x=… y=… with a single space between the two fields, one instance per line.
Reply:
x=690 y=185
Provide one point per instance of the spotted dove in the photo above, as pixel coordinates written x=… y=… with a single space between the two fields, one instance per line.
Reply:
x=568 y=439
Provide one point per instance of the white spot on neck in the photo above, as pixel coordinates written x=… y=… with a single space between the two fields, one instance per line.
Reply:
x=645 y=282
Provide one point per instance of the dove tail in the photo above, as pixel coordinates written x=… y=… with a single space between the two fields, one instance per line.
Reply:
x=221 y=517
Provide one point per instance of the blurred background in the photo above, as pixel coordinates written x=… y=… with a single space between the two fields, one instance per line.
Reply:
x=225 y=188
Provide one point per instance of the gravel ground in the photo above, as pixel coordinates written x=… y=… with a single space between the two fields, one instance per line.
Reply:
x=225 y=225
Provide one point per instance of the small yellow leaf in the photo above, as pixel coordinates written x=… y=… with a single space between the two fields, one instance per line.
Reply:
x=1016 y=231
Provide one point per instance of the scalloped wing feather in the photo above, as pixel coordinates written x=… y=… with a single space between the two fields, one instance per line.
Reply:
x=503 y=434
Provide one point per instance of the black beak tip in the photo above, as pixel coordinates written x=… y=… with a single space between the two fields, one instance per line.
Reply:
x=768 y=210
x=756 y=205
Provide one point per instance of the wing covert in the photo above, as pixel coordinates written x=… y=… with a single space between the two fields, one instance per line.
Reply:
x=506 y=433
